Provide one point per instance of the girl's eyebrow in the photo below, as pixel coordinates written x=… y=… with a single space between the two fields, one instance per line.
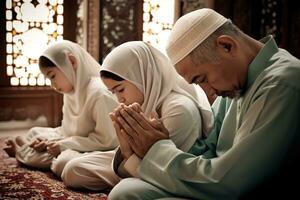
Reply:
x=48 y=72
x=115 y=86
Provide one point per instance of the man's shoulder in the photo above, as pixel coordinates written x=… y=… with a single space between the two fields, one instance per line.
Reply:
x=283 y=69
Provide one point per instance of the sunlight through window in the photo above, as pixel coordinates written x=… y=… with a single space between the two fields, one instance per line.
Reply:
x=158 y=20
x=31 y=25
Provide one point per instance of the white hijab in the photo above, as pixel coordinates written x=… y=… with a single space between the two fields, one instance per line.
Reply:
x=86 y=68
x=152 y=72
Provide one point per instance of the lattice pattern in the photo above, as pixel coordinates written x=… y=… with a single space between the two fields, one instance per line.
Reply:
x=158 y=20
x=30 y=26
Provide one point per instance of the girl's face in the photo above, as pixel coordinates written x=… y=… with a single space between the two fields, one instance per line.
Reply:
x=59 y=81
x=125 y=91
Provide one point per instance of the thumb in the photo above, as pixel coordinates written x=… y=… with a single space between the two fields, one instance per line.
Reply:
x=153 y=116
x=155 y=121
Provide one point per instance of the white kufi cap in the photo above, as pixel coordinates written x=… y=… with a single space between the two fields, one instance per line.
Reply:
x=190 y=30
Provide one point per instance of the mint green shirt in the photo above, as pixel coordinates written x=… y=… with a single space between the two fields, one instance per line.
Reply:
x=250 y=139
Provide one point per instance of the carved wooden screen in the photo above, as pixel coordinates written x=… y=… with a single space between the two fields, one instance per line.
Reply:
x=259 y=18
x=120 y=21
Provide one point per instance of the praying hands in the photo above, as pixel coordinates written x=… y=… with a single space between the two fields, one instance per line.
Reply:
x=137 y=133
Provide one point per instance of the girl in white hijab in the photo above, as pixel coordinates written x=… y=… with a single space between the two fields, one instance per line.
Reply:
x=86 y=126
x=137 y=72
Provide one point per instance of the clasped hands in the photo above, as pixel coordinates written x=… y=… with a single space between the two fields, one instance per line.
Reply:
x=136 y=133
x=41 y=144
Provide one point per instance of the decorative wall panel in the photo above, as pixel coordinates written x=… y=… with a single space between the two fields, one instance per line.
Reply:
x=120 y=21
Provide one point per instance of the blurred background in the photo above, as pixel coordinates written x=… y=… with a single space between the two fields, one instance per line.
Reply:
x=28 y=26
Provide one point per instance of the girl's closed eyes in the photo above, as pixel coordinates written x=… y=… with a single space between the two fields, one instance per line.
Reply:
x=125 y=91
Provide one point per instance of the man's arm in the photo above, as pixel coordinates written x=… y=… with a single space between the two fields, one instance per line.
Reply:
x=257 y=150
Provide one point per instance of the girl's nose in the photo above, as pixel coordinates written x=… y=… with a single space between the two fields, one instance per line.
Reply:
x=121 y=99
x=53 y=85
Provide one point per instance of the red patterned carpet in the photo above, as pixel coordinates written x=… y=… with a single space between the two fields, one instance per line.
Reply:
x=19 y=182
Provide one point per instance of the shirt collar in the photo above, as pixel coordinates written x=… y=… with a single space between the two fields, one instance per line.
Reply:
x=260 y=61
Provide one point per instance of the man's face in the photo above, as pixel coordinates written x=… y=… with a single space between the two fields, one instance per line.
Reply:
x=219 y=78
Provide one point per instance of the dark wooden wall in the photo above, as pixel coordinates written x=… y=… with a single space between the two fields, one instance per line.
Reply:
x=256 y=16
x=120 y=21
x=247 y=15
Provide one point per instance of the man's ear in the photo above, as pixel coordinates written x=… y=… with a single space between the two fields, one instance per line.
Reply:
x=226 y=44
x=73 y=61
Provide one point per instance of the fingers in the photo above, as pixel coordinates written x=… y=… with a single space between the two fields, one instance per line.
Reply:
x=128 y=126
x=41 y=146
x=117 y=110
x=37 y=140
x=50 y=148
x=117 y=128
x=123 y=139
x=135 y=119
x=115 y=121
x=112 y=116
x=153 y=115
x=135 y=123
x=9 y=142
x=136 y=145
x=155 y=121
x=136 y=107
x=32 y=144
x=125 y=147
x=53 y=149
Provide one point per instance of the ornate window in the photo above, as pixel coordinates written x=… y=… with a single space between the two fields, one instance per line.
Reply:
x=31 y=25
x=158 y=20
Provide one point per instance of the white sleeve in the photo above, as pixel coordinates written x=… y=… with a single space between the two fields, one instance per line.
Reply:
x=103 y=137
x=182 y=119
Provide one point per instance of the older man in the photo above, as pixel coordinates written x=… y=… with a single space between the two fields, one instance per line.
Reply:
x=256 y=125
